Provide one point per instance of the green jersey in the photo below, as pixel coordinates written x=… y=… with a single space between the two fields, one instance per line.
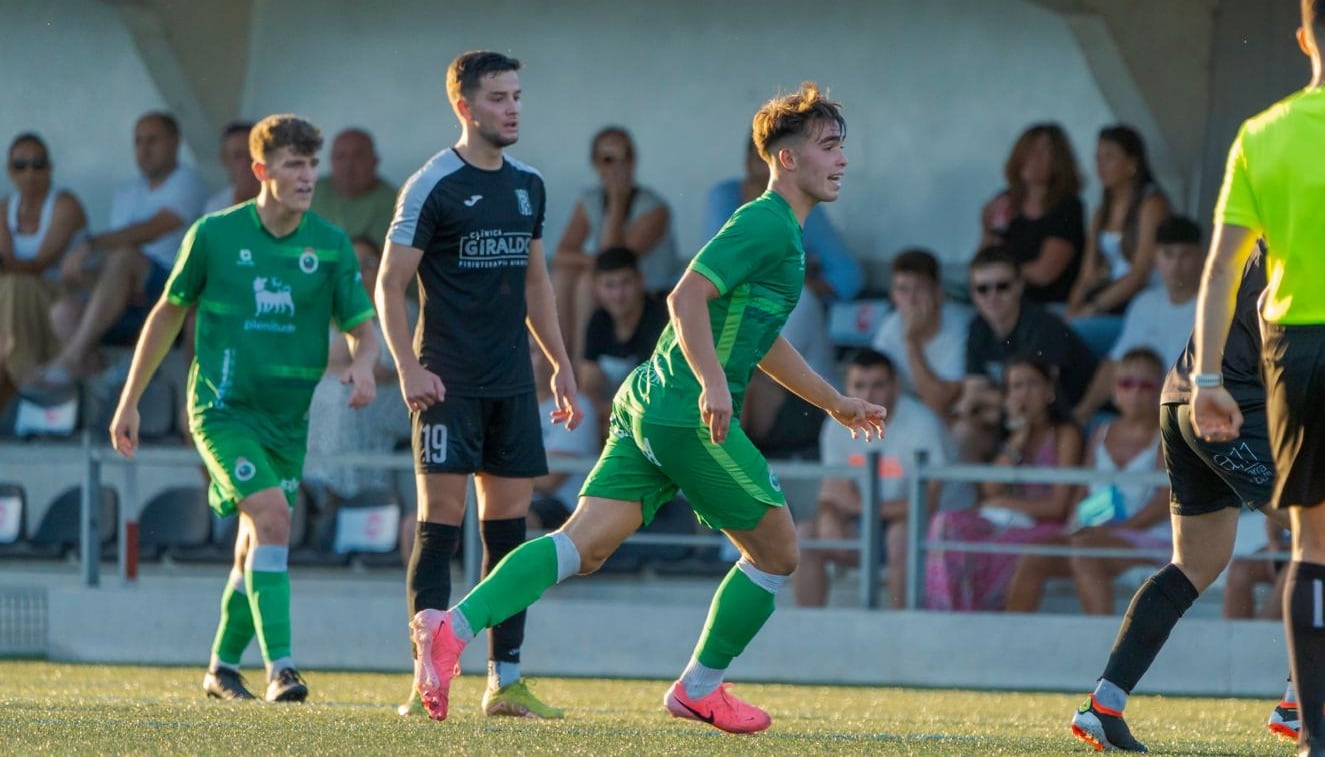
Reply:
x=264 y=304
x=757 y=263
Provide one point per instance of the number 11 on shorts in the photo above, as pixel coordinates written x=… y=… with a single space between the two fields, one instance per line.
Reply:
x=433 y=443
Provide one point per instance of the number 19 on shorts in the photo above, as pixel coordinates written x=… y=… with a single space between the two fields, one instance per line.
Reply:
x=433 y=442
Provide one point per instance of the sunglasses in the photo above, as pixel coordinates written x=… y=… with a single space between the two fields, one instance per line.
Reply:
x=36 y=164
x=993 y=286
x=1132 y=383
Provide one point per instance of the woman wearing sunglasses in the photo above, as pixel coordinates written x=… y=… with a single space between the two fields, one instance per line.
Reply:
x=1119 y=515
x=40 y=224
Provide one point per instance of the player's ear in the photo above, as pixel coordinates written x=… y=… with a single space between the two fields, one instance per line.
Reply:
x=461 y=106
x=260 y=170
x=786 y=158
x=1302 y=41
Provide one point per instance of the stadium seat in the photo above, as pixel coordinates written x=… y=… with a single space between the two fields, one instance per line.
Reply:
x=57 y=534
x=176 y=520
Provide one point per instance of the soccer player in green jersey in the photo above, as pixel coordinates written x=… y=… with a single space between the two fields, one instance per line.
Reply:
x=674 y=427
x=1274 y=187
x=266 y=276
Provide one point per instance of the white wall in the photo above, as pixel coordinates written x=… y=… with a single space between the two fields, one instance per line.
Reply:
x=72 y=74
x=935 y=92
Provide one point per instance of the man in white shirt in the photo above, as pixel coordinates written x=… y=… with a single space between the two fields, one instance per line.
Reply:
x=912 y=427
x=924 y=336
x=1158 y=318
x=148 y=219
x=238 y=165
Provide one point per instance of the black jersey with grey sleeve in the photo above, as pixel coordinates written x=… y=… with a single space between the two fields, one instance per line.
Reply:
x=474 y=227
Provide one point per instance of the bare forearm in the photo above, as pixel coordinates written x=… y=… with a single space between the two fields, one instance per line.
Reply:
x=787 y=367
x=613 y=233
x=937 y=394
x=137 y=233
x=695 y=335
x=362 y=340
x=159 y=332
x=395 y=323
x=542 y=321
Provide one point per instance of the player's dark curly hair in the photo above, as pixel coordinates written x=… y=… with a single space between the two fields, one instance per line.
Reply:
x=1313 y=18
x=798 y=114
x=468 y=69
x=283 y=130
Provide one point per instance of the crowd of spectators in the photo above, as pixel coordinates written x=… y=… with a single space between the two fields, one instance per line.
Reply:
x=1053 y=357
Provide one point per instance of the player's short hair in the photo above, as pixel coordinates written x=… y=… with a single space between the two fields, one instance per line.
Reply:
x=798 y=114
x=995 y=255
x=1313 y=18
x=1178 y=229
x=918 y=261
x=616 y=259
x=30 y=137
x=168 y=121
x=866 y=358
x=466 y=72
x=1143 y=355
x=283 y=130
x=235 y=128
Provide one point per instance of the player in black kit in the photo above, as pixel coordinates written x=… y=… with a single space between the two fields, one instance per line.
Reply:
x=1210 y=481
x=469 y=223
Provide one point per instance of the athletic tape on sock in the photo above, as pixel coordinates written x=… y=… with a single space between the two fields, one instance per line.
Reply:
x=568 y=557
x=269 y=558
x=769 y=582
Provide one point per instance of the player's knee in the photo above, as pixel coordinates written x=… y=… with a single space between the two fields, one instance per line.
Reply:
x=271 y=519
x=592 y=559
x=779 y=561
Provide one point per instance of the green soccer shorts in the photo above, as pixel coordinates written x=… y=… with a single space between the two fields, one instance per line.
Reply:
x=728 y=485
x=240 y=465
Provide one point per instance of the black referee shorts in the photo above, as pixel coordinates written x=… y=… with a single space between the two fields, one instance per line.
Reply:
x=1293 y=365
x=1206 y=477
x=497 y=435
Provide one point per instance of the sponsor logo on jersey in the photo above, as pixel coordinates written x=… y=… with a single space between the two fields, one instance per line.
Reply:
x=270 y=297
x=308 y=260
x=290 y=485
x=473 y=200
x=245 y=470
x=522 y=199
x=494 y=248
x=245 y=257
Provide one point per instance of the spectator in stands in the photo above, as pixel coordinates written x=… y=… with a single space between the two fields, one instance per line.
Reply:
x=1120 y=252
x=41 y=224
x=1007 y=327
x=1120 y=514
x=1246 y=573
x=1038 y=436
x=871 y=376
x=238 y=165
x=148 y=218
x=831 y=272
x=621 y=333
x=354 y=197
x=617 y=213
x=556 y=494
x=779 y=423
x=336 y=428
x=924 y=336
x=1039 y=217
x=1158 y=318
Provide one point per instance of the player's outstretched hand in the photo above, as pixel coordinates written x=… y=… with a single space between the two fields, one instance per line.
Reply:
x=124 y=431
x=421 y=388
x=860 y=416
x=715 y=409
x=365 y=386
x=1215 y=414
x=568 y=411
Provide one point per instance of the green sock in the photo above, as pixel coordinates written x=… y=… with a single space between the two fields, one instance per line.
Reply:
x=739 y=610
x=235 y=630
x=516 y=583
x=268 y=582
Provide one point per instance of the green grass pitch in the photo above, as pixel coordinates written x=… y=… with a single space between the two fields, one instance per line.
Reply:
x=99 y=709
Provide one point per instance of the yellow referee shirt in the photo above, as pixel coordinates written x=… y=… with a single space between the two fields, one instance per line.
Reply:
x=1274 y=184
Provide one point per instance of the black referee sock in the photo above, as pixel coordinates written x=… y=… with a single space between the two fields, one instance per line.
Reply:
x=1156 y=608
x=500 y=538
x=428 y=577
x=1304 y=626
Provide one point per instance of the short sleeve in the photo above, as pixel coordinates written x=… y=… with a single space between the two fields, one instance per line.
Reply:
x=542 y=209
x=350 y=306
x=416 y=216
x=745 y=245
x=189 y=275
x=1236 y=205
